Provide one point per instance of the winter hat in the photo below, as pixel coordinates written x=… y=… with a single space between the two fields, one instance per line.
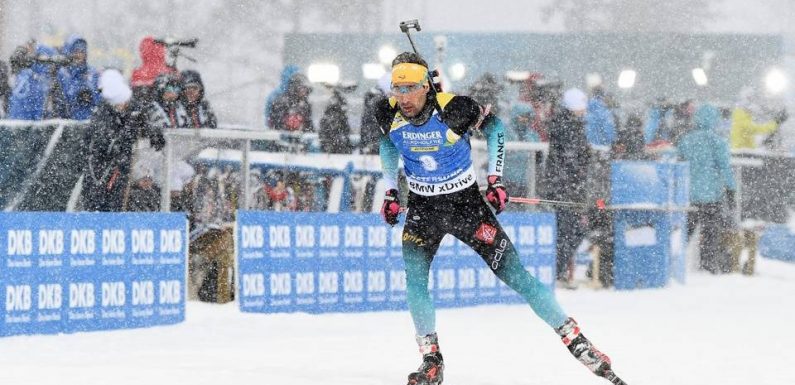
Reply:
x=114 y=88
x=575 y=100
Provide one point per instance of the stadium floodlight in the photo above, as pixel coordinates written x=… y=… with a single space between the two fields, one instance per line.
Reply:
x=626 y=79
x=517 y=76
x=386 y=54
x=775 y=81
x=323 y=73
x=700 y=76
x=593 y=79
x=457 y=71
x=373 y=71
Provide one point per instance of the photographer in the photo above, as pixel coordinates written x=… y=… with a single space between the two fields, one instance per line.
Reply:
x=153 y=64
x=114 y=130
x=78 y=92
x=31 y=98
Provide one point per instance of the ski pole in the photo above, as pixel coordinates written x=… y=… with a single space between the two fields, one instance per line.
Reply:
x=600 y=203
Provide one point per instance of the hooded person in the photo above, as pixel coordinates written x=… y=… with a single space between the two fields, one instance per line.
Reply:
x=78 y=82
x=287 y=73
x=711 y=183
x=153 y=64
x=565 y=176
x=31 y=96
x=292 y=111
x=197 y=108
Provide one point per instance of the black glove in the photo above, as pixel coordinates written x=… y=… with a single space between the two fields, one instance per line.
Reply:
x=730 y=199
x=391 y=207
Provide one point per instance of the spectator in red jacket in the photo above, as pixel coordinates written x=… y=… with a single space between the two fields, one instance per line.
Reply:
x=153 y=64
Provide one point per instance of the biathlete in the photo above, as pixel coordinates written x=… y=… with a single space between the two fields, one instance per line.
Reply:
x=431 y=132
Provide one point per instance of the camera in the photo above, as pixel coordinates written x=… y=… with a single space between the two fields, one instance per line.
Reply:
x=174 y=45
x=173 y=42
x=343 y=87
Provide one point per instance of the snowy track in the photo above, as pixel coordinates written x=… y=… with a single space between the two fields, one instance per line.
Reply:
x=715 y=330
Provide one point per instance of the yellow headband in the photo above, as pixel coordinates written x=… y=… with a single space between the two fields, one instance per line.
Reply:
x=408 y=73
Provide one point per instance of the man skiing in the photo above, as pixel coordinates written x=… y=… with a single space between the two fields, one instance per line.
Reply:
x=430 y=131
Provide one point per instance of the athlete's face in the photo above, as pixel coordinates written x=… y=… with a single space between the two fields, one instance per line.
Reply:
x=410 y=97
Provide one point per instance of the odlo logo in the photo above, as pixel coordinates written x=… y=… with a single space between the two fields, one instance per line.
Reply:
x=498 y=254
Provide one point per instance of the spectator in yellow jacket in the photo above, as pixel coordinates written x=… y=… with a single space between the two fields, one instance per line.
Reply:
x=743 y=127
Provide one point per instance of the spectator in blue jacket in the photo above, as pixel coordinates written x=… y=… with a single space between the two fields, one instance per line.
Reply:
x=600 y=126
x=287 y=74
x=31 y=94
x=78 y=93
x=711 y=182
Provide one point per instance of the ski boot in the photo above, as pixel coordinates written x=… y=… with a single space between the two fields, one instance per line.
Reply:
x=431 y=370
x=583 y=350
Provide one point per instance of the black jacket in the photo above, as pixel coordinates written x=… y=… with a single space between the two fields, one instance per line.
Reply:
x=5 y=89
x=111 y=138
x=566 y=169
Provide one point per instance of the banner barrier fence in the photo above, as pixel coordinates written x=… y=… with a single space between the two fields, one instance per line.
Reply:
x=66 y=272
x=319 y=262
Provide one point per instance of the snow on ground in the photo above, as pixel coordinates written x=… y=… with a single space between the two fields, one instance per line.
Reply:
x=714 y=330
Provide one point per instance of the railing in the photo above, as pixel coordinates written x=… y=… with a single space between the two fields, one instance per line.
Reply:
x=41 y=165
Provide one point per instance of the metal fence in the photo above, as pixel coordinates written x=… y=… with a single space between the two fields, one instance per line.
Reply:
x=41 y=168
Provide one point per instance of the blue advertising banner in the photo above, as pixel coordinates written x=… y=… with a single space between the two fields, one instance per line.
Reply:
x=71 y=272
x=345 y=262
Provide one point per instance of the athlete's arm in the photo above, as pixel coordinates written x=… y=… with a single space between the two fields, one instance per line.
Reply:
x=495 y=141
x=462 y=113
x=389 y=162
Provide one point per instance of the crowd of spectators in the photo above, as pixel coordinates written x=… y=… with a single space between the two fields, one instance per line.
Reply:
x=127 y=119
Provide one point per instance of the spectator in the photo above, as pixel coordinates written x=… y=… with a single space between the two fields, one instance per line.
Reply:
x=31 y=98
x=114 y=128
x=487 y=90
x=287 y=73
x=197 y=108
x=518 y=162
x=711 y=181
x=630 y=143
x=168 y=112
x=291 y=110
x=600 y=128
x=370 y=133
x=335 y=130
x=657 y=128
x=682 y=119
x=543 y=96
x=78 y=90
x=565 y=176
x=5 y=90
x=153 y=64
x=744 y=129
